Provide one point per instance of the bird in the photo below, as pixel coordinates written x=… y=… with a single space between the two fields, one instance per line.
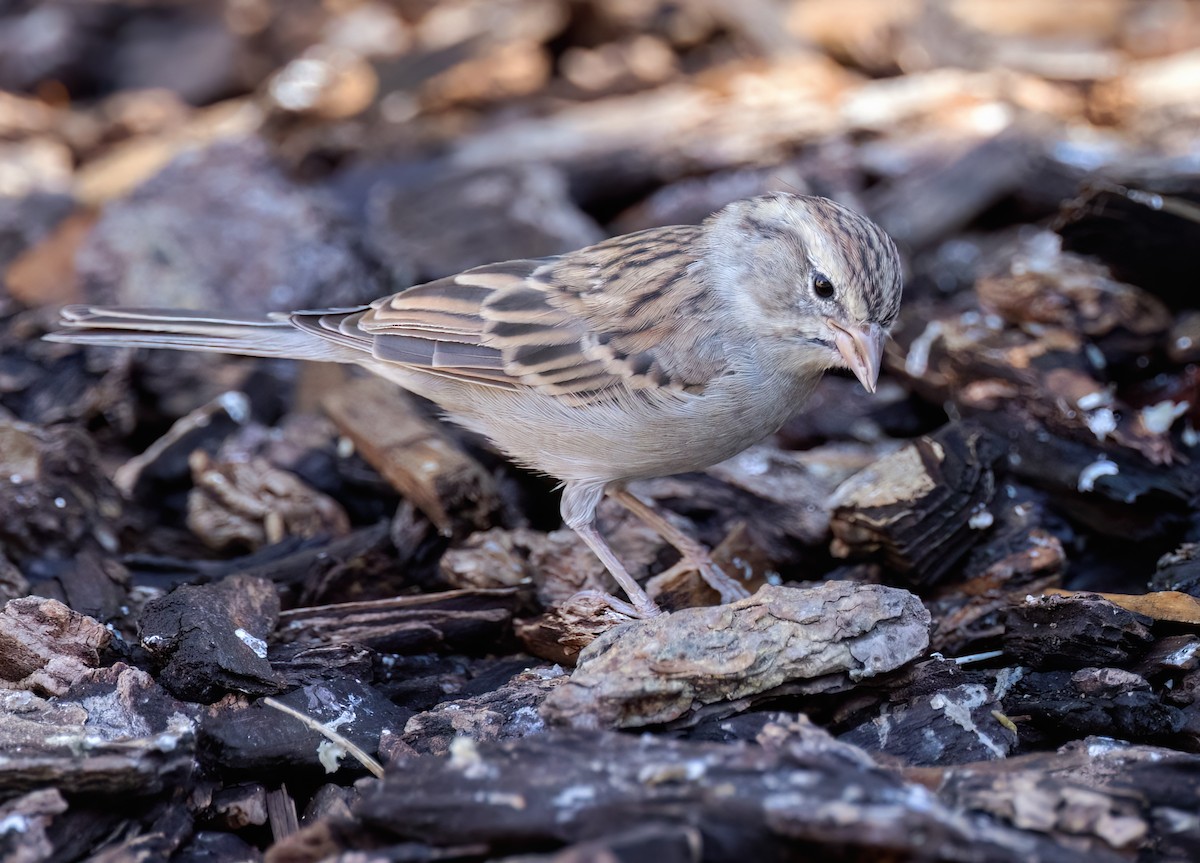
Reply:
x=654 y=353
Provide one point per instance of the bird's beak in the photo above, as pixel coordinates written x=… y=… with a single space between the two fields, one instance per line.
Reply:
x=861 y=348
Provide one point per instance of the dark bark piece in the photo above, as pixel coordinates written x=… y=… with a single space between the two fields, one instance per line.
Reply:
x=417 y=455
x=114 y=732
x=1017 y=555
x=248 y=740
x=766 y=801
x=45 y=647
x=231 y=202
x=165 y=462
x=13 y=584
x=1076 y=293
x=921 y=508
x=1179 y=570
x=925 y=206
x=505 y=713
x=453 y=619
x=1060 y=706
x=955 y=726
x=210 y=846
x=1142 y=230
x=55 y=501
x=653 y=843
x=33 y=814
x=212 y=639
x=300 y=664
x=1054 y=632
x=667 y=669
x=1100 y=794
x=448 y=221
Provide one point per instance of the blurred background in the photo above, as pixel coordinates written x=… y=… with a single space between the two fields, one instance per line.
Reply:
x=193 y=153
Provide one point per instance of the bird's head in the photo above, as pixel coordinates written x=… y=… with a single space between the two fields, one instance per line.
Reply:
x=820 y=280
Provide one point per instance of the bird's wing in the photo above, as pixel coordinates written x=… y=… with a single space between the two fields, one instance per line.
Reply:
x=582 y=326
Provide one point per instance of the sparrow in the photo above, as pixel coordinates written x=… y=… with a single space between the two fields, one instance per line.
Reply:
x=654 y=353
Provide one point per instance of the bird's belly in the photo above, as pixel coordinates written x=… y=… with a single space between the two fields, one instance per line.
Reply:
x=634 y=439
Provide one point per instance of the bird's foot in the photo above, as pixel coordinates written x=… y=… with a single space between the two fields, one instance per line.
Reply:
x=726 y=586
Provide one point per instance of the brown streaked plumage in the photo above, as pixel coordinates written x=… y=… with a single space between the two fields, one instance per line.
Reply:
x=653 y=353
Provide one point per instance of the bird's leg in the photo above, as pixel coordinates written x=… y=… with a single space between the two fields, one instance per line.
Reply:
x=693 y=552
x=579 y=503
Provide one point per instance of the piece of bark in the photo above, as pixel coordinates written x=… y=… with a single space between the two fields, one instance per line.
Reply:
x=208 y=845
x=1140 y=230
x=564 y=787
x=241 y=740
x=236 y=807
x=55 y=500
x=408 y=624
x=448 y=221
x=1074 y=631
x=415 y=454
x=1044 y=287
x=114 y=732
x=45 y=647
x=1018 y=555
x=954 y=726
x=661 y=843
x=1099 y=794
x=1167 y=605
x=926 y=206
x=13 y=584
x=248 y=504
x=212 y=639
x=302 y=664
x=32 y=815
x=921 y=508
x=1059 y=706
x=557 y=563
x=665 y=669
x=166 y=460
x=256 y=240
x=560 y=633
x=506 y=713
x=1179 y=570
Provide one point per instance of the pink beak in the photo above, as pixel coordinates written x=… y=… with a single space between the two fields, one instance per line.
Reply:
x=862 y=350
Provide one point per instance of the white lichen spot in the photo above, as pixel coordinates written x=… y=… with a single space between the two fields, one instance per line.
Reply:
x=1093 y=400
x=1100 y=467
x=981 y=519
x=1102 y=423
x=253 y=642
x=237 y=405
x=466 y=758
x=916 y=363
x=971 y=695
x=330 y=755
x=15 y=823
x=1159 y=418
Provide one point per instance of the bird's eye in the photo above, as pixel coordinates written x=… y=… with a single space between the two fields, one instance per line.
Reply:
x=822 y=287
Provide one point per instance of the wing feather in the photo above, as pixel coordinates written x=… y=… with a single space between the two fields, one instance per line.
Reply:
x=584 y=326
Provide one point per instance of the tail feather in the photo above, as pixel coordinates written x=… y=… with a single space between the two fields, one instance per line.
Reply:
x=179 y=329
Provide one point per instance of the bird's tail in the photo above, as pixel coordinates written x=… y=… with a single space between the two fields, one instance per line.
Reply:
x=179 y=329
